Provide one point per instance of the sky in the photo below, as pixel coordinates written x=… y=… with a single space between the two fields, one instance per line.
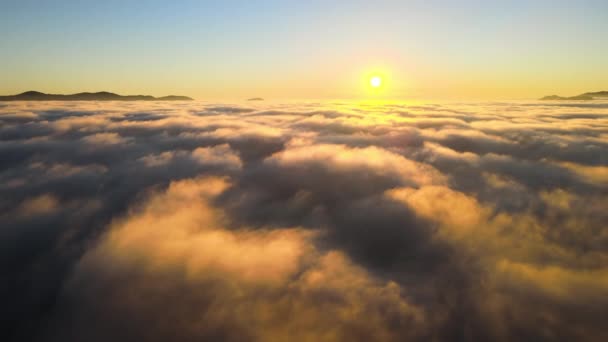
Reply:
x=305 y=49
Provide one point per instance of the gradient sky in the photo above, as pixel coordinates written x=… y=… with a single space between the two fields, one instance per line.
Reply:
x=305 y=49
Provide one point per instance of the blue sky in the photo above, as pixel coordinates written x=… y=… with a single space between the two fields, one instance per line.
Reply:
x=304 y=49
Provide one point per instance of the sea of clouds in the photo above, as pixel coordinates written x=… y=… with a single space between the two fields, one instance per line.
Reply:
x=329 y=221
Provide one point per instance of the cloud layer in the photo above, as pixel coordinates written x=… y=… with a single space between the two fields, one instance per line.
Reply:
x=304 y=222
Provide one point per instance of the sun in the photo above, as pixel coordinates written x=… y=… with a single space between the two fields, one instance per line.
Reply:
x=375 y=81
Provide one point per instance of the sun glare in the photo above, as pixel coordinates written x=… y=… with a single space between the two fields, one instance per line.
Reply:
x=375 y=81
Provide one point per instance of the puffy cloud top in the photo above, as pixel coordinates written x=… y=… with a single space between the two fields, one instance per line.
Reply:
x=303 y=222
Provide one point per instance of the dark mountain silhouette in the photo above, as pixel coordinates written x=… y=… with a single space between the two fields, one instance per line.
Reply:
x=99 y=96
x=598 y=94
x=174 y=98
x=559 y=98
x=582 y=97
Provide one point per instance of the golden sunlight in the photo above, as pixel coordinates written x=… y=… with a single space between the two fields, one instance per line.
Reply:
x=375 y=81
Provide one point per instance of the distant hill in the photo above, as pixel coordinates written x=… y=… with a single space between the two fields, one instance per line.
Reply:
x=581 y=97
x=255 y=99
x=174 y=98
x=598 y=94
x=99 y=96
